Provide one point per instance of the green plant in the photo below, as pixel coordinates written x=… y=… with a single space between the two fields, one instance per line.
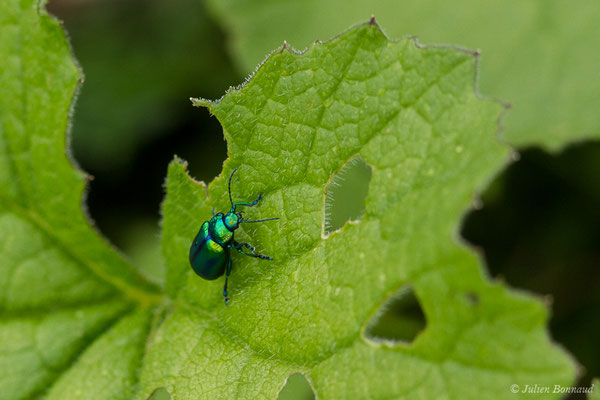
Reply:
x=79 y=322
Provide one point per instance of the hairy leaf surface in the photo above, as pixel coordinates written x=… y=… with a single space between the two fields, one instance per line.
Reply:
x=413 y=115
x=77 y=321
x=541 y=56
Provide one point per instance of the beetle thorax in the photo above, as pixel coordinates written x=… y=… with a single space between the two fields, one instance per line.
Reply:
x=219 y=231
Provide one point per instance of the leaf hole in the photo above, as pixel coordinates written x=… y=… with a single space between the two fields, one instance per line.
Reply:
x=296 y=388
x=160 y=394
x=400 y=319
x=346 y=194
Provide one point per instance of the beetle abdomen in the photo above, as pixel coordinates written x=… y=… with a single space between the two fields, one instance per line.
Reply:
x=207 y=257
x=210 y=260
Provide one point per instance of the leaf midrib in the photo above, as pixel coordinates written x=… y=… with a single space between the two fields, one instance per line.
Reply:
x=138 y=294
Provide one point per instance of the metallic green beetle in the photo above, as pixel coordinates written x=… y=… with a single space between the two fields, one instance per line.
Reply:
x=209 y=252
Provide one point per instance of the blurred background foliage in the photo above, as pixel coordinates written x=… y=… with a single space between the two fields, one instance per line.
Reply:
x=538 y=224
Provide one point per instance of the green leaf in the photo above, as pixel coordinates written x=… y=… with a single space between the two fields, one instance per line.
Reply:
x=413 y=115
x=77 y=321
x=595 y=395
x=108 y=368
x=541 y=56
x=62 y=286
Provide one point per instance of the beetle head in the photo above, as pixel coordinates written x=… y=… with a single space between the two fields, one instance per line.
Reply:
x=232 y=220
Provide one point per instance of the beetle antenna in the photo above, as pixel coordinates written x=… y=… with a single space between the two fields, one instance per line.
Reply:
x=229 y=186
x=261 y=220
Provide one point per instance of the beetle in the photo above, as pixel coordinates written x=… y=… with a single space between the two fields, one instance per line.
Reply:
x=210 y=251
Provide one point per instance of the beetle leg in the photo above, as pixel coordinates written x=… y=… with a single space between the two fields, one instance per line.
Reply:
x=255 y=202
x=243 y=203
x=213 y=211
x=227 y=272
x=238 y=247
